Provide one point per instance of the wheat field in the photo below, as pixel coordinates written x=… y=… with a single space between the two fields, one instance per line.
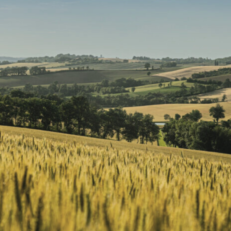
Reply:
x=47 y=184
x=187 y=72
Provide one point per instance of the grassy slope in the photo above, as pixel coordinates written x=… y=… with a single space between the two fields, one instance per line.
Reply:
x=71 y=77
x=115 y=144
x=158 y=111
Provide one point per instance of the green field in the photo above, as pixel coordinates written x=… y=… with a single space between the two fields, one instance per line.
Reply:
x=79 y=77
x=153 y=88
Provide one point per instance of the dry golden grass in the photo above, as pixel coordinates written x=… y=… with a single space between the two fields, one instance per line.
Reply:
x=47 y=184
x=187 y=72
x=217 y=94
x=158 y=111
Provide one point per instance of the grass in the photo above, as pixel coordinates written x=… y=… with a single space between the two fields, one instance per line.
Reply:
x=161 y=141
x=47 y=184
x=158 y=111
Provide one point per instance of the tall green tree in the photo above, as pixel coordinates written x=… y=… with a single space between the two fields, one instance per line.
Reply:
x=34 y=111
x=67 y=115
x=81 y=113
x=147 y=66
x=217 y=112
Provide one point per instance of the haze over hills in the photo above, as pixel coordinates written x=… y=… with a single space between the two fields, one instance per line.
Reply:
x=10 y=59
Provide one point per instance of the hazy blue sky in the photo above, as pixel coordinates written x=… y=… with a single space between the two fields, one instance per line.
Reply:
x=116 y=28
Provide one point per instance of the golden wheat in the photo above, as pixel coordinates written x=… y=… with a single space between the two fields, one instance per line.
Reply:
x=49 y=185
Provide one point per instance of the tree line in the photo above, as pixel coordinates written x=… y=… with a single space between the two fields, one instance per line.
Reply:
x=187 y=132
x=225 y=84
x=62 y=90
x=13 y=71
x=77 y=116
x=9 y=71
x=223 y=71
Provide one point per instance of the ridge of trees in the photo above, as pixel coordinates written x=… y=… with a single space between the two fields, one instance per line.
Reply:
x=13 y=71
x=185 y=95
x=57 y=58
x=222 y=71
x=77 y=116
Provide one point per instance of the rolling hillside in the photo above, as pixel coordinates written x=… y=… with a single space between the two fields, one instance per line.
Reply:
x=187 y=72
x=158 y=111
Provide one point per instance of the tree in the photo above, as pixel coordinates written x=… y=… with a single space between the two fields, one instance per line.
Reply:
x=67 y=115
x=149 y=73
x=105 y=83
x=34 y=111
x=195 y=115
x=167 y=117
x=217 y=112
x=160 y=85
x=118 y=117
x=133 y=89
x=224 y=97
x=81 y=112
x=183 y=86
x=133 y=123
x=147 y=66
x=148 y=130
x=216 y=63
x=177 y=116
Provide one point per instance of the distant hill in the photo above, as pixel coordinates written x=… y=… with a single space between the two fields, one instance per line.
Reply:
x=9 y=59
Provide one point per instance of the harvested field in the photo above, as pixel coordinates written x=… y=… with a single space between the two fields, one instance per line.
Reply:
x=158 y=111
x=187 y=72
x=217 y=94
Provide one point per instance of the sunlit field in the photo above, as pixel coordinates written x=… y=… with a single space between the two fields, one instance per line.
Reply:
x=47 y=184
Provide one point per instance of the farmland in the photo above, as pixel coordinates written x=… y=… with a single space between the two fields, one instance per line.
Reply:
x=187 y=72
x=155 y=88
x=70 y=77
x=217 y=94
x=158 y=111
x=72 y=185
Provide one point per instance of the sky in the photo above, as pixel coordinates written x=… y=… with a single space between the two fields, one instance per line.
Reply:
x=116 y=28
